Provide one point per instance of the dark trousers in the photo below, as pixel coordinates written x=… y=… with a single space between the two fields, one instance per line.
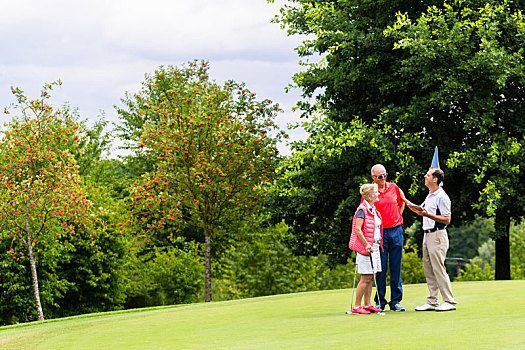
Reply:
x=391 y=257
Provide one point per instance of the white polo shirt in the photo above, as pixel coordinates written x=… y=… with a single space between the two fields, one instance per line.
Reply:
x=437 y=203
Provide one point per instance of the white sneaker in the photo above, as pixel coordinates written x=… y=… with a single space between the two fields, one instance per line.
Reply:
x=446 y=307
x=426 y=307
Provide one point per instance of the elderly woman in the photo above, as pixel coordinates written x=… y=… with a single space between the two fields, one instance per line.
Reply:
x=367 y=233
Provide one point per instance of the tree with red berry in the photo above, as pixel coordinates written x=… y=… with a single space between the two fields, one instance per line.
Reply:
x=215 y=153
x=41 y=194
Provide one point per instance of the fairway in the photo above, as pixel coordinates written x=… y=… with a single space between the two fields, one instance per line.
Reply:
x=490 y=315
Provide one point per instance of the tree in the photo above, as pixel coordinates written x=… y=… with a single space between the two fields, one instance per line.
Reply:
x=214 y=152
x=467 y=61
x=357 y=72
x=452 y=75
x=131 y=127
x=41 y=193
x=93 y=146
x=352 y=82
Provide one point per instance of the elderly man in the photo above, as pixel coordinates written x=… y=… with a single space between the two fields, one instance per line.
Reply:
x=390 y=206
x=436 y=216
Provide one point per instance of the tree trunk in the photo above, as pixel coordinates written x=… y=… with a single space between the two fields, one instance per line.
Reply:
x=207 y=268
x=502 y=227
x=34 y=278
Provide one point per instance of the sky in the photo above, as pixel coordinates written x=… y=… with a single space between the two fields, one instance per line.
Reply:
x=101 y=49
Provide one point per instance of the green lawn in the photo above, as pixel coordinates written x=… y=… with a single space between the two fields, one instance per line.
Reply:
x=490 y=315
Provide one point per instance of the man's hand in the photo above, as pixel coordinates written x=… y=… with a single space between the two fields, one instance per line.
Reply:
x=421 y=212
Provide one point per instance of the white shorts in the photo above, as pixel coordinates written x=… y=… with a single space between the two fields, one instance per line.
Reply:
x=363 y=262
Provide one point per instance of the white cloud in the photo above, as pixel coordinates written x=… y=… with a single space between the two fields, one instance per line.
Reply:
x=102 y=48
x=186 y=27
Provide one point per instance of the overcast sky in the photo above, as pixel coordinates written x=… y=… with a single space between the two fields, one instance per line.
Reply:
x=101 y=49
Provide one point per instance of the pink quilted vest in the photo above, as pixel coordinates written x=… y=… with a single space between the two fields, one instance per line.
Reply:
x=368 y=230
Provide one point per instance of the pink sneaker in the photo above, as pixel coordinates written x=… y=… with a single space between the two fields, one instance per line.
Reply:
x=371 y=308
x=359 y=310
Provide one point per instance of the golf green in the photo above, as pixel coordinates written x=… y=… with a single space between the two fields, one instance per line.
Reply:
x=490 y=315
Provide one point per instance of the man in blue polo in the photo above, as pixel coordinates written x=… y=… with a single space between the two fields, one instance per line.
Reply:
x=436 y=216
x=390 y=206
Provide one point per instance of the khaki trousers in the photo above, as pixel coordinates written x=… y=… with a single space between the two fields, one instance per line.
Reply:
x=435 y=246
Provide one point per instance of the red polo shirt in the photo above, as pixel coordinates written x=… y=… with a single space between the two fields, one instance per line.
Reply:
x=388 y=205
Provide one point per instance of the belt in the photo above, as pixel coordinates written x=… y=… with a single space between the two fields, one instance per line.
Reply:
x=434 y=229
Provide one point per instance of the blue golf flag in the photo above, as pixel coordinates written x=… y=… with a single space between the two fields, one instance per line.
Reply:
x=435 y=162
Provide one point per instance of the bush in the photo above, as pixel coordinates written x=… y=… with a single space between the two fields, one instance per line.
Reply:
x=16 y=291
x=477 y=270
x=94 y=273
x=165 y=277
x=481 y=268
x=412 y=270
x=517 y=251
x=75 y=277
x=262 y=264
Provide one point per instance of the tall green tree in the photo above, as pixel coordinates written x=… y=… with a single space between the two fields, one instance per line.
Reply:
x=451 y=74
x=357 y=72
x=215 y=152
x=355 y=77
x=468 y=63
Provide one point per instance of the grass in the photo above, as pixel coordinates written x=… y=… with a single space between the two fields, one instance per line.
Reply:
x=490 y=315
